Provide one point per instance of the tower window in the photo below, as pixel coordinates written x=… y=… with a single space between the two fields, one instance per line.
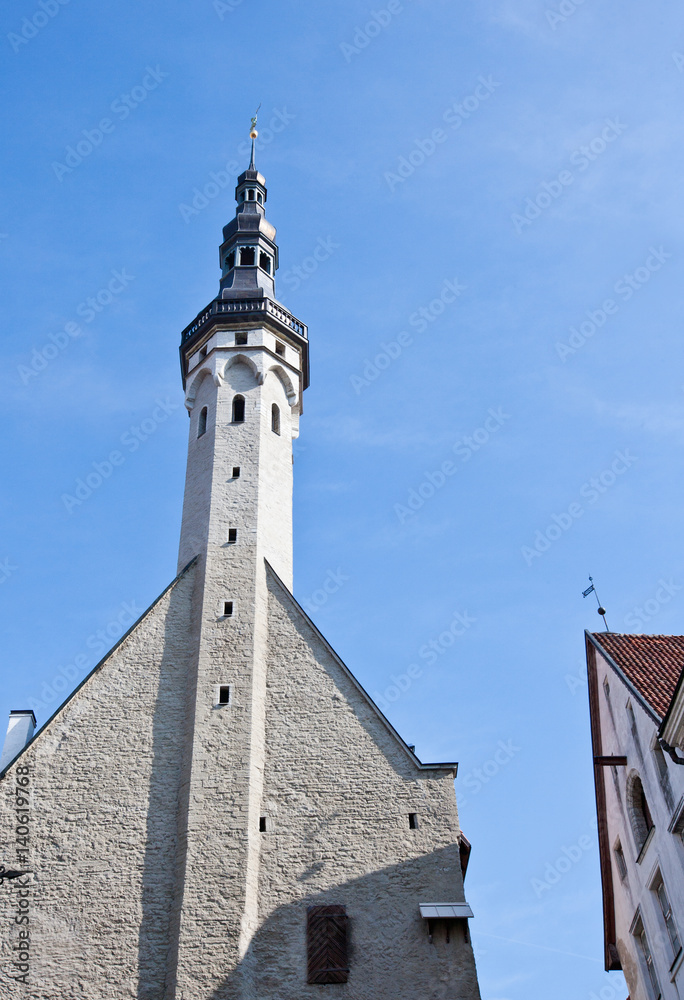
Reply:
x=230 y=260
x=202 y=422
x=247 y=256
x=240 y=339
x=236 y=472
x=238 y=410
x=413 y=821
x=232 y=535
x=224 y=694
x=242 y=196
x=251 y=195
x=203 y=351
x=259 y=198
x=280 y=349
x=265 y=262
x=275 y=419
x=227 y=609
x=262 y=824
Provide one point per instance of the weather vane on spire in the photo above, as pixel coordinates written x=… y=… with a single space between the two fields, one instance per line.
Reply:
x=253 y=134
x=601 y=610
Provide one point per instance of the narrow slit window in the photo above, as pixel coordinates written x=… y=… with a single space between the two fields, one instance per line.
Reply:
x=238 y=410
x=232 y=535
x=224 y=694
x=620 y=861
x=202 y=422
x=275 y=419
x=240 y=339
x=262 y=824
x=265 y=262
x=236 y=472
x=247 y=256
x=327 y=948
x=228 y=609
x=413 y=821
x=280 y=349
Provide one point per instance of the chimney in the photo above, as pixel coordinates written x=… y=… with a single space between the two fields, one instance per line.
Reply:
x=22 y=725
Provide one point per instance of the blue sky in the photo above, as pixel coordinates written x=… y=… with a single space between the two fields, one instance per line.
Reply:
x=498 y=186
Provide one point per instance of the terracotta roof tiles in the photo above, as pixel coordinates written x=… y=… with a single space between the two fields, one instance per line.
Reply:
x=652 y=663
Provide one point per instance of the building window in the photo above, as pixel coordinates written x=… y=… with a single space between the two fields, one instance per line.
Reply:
x=275 y=419
x=663 y=774
x=236 y=472
x=240 y=339
x=413 y=821
x=666 y=911
x=326 y=944
x=620 y=861
x=247 y=256
x=265 y=262
x=232 y=535
x=202 y=422
x=230 y=260
x=639 y=813
x=224 y=694
x=280 y=349
x=251 y=195
x=238 y=409
x=227 y=609
x=647 y=961
x=259 y=198
x=262 y=824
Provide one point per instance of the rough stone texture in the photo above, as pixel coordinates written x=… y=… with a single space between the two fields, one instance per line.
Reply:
x=664 y=851
x=103 y=802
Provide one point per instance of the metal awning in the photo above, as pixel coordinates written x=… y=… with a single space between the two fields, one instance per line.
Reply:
x=445 y=911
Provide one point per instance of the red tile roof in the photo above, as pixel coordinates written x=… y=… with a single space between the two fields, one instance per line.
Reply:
x=652 y=663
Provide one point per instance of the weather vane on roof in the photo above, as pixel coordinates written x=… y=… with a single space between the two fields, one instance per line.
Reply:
x=601 y=609
x=253 y=129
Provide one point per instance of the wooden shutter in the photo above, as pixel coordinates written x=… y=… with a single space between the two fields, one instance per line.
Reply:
x=326 y=940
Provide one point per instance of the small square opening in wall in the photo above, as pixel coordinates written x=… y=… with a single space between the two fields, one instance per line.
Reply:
x=413 y=821
x=228 y=609
x=232 y=535
x=224 y=694
x=240 y=339
x=203 y=351
x=236 y=472
x=280 y=349
x=262 y=824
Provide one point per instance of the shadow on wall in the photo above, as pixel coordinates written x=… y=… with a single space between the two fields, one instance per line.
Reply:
x=390 y=953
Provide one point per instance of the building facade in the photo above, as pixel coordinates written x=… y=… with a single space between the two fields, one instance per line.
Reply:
x=636 y=707
x=219 y=810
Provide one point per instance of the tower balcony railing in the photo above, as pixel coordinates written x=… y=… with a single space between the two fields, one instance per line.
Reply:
x=232 y=306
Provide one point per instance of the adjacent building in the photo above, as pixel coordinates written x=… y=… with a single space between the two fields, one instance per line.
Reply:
x=220 y=810
x=636 y=698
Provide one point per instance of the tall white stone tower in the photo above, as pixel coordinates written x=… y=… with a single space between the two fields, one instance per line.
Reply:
x=219 y=811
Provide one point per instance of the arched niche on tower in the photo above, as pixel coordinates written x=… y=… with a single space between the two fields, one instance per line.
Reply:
x=241 y=373
x=281 y=374
x=193 y=389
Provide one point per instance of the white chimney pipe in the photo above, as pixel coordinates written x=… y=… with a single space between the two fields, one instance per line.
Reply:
x=22 y=725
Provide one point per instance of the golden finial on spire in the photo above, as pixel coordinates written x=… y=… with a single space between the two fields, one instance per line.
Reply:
x=253 y=129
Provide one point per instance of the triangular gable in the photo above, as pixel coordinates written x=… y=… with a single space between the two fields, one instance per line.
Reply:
x=97 y=667
x=299 y=611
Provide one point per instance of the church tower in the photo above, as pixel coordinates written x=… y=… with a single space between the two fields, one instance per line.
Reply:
x=220 y=811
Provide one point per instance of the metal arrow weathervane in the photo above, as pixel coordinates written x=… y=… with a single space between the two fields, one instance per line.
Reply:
x=601 y=609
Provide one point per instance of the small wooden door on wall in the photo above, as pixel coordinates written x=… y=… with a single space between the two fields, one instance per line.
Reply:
x=326 y=940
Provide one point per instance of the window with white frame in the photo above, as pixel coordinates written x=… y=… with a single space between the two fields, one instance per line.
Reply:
x=665 y=910
x=646 y=955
